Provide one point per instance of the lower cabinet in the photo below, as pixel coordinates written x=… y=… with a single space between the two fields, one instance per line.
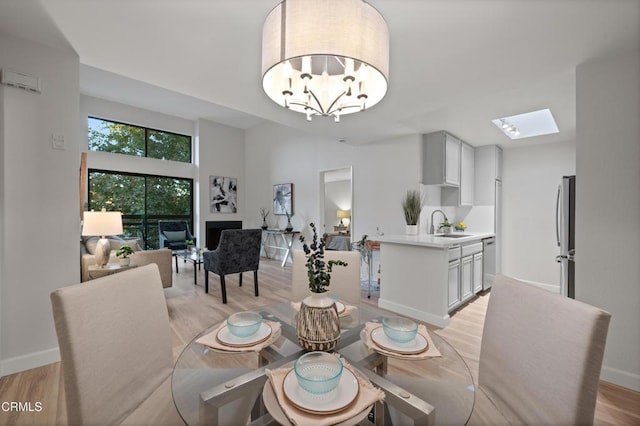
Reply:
x=477 y=273
x=464 y=276
x=454 y=284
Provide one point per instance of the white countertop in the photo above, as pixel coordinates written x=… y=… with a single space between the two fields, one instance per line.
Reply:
x=435 y=240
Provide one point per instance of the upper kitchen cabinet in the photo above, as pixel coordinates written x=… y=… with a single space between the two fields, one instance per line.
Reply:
x=441 y=159
x=488 y=170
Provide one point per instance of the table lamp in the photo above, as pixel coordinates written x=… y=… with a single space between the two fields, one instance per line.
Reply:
x=101 y=224
x=342 y=214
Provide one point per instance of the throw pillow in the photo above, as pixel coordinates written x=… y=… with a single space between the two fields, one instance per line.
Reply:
x=173 y=236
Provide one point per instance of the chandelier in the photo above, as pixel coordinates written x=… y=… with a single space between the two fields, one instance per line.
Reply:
x=325 y=57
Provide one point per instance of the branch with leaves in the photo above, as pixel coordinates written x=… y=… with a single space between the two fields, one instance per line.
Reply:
x=318 y=271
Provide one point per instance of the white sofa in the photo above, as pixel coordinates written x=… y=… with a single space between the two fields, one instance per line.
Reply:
x=140 y=257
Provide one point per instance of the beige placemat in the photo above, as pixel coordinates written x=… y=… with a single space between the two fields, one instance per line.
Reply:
x=367 y=396
x=212 y=342
x=348 y=309
x=431 y=351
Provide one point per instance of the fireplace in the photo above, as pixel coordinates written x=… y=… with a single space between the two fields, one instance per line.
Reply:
x=215 y=227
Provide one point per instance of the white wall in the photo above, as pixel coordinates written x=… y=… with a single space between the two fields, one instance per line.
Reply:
x=381 y=175
x=531 y=176
x=608 y=205
x=221 y=153
x=39 y=200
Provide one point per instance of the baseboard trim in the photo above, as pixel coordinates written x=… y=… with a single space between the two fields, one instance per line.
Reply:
x=550 y=287
x=622 y=378
x=414 y=313
x=29 y=361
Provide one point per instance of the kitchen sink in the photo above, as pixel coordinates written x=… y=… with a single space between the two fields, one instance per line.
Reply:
x=450 y=235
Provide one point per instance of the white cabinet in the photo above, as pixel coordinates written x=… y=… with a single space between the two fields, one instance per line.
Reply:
x=467 y=175
x=488 y=169
x=466 y=278
x=441 y=159
x=477 y=272
x=453 y=284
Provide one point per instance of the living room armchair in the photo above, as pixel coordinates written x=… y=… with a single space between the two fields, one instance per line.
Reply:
x=173 y=234
x=237 y=252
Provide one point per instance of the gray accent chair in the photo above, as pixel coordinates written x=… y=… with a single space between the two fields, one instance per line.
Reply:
x=541 y=355
x=173 y=234
x=115 y=347
x=237 y=252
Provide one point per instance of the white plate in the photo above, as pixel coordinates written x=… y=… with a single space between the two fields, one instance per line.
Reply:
x=225 y=337
x=332 y=402
x=417 y=345
x=274 y=408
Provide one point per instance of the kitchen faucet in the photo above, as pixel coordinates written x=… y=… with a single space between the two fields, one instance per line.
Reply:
x=432 y=229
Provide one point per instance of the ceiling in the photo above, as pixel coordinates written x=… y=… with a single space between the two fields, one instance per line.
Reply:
x=455 y=64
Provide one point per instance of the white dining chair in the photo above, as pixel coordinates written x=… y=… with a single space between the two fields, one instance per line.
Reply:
x=115 y=346
x=345 y=280
x=541 y=354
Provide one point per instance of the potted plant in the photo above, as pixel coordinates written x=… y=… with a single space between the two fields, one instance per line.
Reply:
x=190 y=244
x=123 y=254
x=264 y=212
x=445 y=227
x=412 y=206
x=318 y=325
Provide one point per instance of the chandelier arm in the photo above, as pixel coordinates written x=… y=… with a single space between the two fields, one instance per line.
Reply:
x=330 y=110
x=308 y=106
x=317 y=102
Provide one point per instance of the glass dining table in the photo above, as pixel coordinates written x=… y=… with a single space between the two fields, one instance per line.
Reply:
x=217 y=387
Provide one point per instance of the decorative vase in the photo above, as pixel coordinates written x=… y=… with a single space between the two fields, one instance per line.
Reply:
x=289 y=227
x=124 y=261
x=264 y=223
x=318 y=325
x=446 y=229
x=412 y=230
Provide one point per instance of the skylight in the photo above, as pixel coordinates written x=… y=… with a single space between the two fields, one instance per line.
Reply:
x=527 y=125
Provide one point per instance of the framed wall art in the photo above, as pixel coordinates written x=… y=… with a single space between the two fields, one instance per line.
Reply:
x=283 y=199
x=223 y=194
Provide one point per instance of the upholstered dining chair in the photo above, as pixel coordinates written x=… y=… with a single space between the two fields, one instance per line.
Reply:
x=115 y=346
x=345 y=280
x=238 y=251
x=541 y=354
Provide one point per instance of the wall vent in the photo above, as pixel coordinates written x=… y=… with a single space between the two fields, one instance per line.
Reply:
x=20 y=80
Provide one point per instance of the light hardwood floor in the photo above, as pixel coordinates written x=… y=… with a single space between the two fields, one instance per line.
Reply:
x=191 y=310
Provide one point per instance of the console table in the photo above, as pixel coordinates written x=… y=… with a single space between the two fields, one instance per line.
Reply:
x=278 y=239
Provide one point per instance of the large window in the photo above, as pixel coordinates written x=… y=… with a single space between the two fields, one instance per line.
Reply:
x=120 y=138
x=143 y=201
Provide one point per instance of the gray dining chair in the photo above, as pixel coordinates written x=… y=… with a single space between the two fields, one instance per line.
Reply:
x=115 y=347
x=541 y=354
x=238 y=251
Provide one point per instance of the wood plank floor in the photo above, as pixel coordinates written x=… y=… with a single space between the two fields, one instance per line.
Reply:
x=191 y=310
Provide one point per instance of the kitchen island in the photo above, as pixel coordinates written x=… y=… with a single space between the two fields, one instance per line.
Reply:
x=427 y=276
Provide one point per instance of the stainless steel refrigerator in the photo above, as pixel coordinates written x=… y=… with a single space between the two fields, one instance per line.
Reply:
x=565 y=234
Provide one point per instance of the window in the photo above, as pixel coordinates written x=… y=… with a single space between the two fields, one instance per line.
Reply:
x=120 y=138
x=143 y=201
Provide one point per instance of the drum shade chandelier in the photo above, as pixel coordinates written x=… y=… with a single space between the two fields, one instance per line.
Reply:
x=325 y=57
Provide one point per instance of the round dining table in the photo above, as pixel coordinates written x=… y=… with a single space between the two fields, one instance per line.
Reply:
x=211 y=386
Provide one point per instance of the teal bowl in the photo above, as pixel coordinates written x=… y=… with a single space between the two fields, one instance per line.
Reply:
x=244 y=324
x=399 y=329
x=318 y=372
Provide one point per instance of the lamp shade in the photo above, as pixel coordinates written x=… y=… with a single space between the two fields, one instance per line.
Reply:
x=102 y=223
x=342 y=214
x=326 y=58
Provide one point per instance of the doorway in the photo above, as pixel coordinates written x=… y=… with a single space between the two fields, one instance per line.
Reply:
x=336 y=201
